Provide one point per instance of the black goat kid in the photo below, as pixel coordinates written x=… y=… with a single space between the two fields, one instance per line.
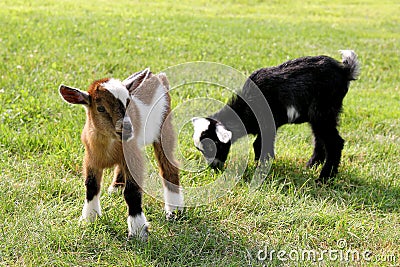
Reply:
x=307 y=89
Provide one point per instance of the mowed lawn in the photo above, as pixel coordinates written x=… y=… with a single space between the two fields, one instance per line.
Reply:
x=45 y=43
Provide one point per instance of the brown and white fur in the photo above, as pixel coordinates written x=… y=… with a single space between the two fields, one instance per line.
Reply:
x=122 y=117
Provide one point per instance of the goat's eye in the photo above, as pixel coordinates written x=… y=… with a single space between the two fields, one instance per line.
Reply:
x=101 y=109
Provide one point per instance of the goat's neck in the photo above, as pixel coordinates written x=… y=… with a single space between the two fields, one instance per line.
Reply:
x=98 y=138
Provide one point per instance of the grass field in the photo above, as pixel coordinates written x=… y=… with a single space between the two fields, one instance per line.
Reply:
x=45 y=43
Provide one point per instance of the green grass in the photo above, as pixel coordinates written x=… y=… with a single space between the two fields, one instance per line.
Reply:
x=45 y=43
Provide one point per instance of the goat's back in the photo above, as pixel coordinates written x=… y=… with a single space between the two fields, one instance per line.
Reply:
x=318 y=82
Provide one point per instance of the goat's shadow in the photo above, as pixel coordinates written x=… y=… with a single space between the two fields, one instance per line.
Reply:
x=190 y=240
x=347 y=182
x=200 y=234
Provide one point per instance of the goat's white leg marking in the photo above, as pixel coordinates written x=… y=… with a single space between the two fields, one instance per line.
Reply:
x=138 y=226
x=172 y=201
x=91 y=209
x=292 y=114
x=113 y=189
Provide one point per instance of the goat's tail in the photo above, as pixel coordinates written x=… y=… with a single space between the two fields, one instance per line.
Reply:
x=350 y=62
x=164 y=80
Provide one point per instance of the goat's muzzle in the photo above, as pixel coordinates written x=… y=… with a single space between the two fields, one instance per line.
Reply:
x=216 y=164
x=126 y=129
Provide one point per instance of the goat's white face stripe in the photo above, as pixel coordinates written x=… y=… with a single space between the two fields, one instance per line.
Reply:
x=292 y=114
x=200 y=125
x=116 y=88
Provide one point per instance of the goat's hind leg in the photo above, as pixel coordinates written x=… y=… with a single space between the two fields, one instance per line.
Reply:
x=118 y=180
x=329 y=135
x=169 y=171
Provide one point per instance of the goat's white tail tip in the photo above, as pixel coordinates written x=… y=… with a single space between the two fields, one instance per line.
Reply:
x=347 y=54
x=349 y=59
x=164 y=79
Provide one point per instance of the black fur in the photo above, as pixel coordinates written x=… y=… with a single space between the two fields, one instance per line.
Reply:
x=313 y=86
x=214 y=150
x=92 y=186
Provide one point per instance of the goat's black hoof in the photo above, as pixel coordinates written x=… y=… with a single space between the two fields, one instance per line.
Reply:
x=218 y=169
x=325 y=177
x=322 y=180
x=314 y=162
x=310 y=164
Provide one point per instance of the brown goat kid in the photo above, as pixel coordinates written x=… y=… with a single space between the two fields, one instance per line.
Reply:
x=122 y=117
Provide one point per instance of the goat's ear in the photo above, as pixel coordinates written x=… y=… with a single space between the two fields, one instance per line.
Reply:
x=73 y=95
x=223 y=134
x=136 y=80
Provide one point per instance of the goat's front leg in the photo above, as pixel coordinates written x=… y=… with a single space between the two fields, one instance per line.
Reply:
x=257 y=147
x=263 y=149
x=91 y=208
x=137 y=223
x=319 y=155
